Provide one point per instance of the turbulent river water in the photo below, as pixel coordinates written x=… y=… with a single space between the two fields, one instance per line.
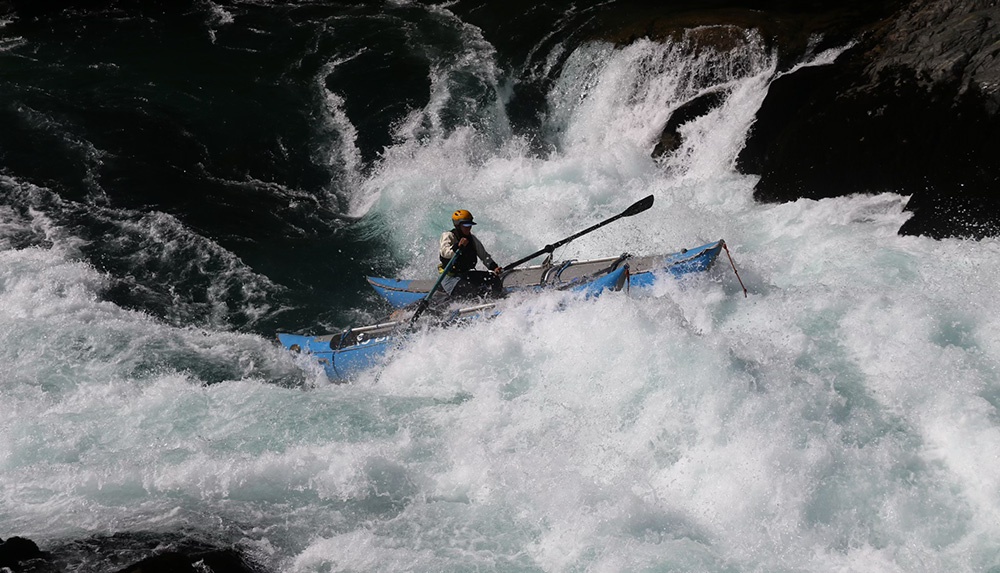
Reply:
x=175 y=188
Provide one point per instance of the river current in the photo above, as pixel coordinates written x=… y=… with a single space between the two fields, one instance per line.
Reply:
x=841 y=417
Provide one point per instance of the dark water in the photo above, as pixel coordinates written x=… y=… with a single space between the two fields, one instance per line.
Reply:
x=191 y=147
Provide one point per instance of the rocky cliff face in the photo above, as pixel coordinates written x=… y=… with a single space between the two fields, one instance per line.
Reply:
x=945 y=42
x=912 y=108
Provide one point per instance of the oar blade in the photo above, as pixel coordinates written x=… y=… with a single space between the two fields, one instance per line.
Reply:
x=638 y=207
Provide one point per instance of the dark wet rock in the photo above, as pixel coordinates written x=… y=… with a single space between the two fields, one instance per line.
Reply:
x=19 y=553
x=670 y=139
x=146 y=552
x=911 y=109
x=792 y=27
x=168 y=562
x=945 y=41
x=814 y=140
x=214 y=560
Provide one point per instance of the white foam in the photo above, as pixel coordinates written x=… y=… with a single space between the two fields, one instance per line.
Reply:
x=219 y=16
x=843 y=417
x=815 y=425
x=341 y=152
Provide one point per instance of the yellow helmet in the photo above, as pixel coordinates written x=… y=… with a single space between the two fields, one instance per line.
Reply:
x=462 y=217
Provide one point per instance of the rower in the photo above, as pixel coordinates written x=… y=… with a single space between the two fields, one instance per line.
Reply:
x=462 y=280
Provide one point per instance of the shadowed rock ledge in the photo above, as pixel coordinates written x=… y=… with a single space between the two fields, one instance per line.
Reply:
x=912 y=109
x=135 y=552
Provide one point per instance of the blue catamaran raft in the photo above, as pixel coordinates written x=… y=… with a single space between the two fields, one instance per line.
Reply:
x=344 y=354
x=642 y=272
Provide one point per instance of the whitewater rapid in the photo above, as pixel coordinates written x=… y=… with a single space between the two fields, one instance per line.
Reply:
x=842 y=417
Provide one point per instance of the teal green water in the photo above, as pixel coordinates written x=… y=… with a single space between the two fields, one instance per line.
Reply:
x=842 y=417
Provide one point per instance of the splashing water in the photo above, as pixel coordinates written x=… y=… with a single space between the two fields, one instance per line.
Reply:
x=843 y=417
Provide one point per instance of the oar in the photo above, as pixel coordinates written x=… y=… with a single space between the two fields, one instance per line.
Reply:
x=426 y=301
x=636 y=208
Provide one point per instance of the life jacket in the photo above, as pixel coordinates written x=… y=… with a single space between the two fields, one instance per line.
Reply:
x=467 y=258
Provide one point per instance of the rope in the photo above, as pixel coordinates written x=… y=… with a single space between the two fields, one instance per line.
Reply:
x=725 y=246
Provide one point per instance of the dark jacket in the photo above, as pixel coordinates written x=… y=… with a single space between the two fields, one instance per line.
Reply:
x=467 y=259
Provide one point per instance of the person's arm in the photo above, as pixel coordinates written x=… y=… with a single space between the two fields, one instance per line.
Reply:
x=484 y=256
x=448 y=245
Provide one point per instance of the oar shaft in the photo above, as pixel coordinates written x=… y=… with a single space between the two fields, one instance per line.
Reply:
x=424 y=302
x=636 y=208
